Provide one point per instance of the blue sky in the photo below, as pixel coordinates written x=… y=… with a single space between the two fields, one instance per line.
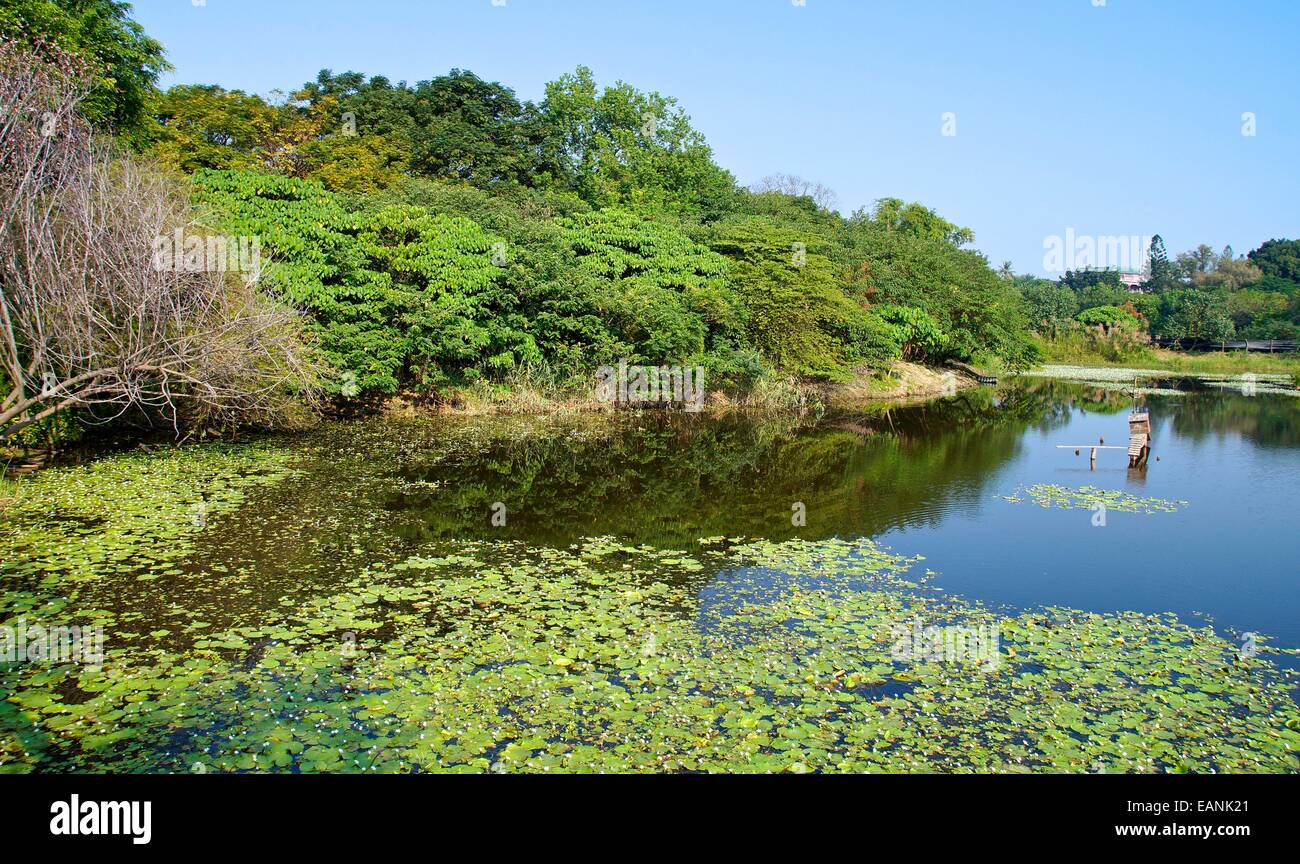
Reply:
x=1122 y=119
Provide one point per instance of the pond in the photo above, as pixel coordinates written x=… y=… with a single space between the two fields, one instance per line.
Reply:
x=933 y=587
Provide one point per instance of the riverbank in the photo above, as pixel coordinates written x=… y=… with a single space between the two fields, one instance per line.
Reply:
x=903 y=381
x=1160 y=360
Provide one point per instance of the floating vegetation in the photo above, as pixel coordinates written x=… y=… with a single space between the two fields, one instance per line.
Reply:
x=1130 y=390
x=601 y=656
x=1088 y=497
x=1255 y=386
x=1096 y=374
x=1123 y=380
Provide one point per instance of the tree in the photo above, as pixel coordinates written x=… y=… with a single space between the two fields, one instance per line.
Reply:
x=664 y=294
x=1199 y=260
x=978 y=312
x=91 y=316
x=206 y=126
x=202 y=126
x=123 y=62
x=625 y=148
x=1190 y=313
x=451 y=303
x=796 y=314
x=1280 y=258
x=1160 y=273
x=1081 y=281
x=1248 y=307
x=893 y=214
x=1230 y=274
x=1050 y=304
x=456 y=126
x=1108 y=316
x=360 y=165
x=797 y=187
x=317 y=264
x=1096 y=287
x=919 y=336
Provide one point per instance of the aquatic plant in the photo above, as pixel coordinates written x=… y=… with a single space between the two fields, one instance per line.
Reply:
x=1094 y=373
x=731 y=654
x=1088 y=497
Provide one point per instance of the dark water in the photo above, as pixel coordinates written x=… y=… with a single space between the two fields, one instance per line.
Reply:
x=928 y=480
x=924 y=480
x=265 y=592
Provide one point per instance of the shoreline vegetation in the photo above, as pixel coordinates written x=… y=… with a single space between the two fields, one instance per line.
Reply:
x=903 y=383
x=1160 y=360
x=445 y=243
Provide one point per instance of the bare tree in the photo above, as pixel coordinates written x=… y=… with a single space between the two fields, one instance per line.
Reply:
x=89 y=317
x=790 y=184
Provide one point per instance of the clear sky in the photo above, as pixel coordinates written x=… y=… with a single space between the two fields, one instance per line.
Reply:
x=1115 y=119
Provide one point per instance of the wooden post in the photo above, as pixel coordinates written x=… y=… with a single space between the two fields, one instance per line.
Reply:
x=1092 y=460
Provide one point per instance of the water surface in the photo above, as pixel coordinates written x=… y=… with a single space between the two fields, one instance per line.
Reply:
x=928 y=479
x=669 y=592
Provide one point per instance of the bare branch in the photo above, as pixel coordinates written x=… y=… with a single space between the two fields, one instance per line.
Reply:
x=790 y=184
x=88 y=316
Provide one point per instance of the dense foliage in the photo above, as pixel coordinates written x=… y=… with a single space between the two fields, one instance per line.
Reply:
x=124 y=62
x=1201 y=295
x=446 y=232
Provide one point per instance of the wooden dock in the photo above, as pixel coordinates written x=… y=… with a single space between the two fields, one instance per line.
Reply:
x=1139 y=442
x=1139 y=437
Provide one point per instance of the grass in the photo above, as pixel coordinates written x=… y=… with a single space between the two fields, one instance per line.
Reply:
x=1080 y=353
x=8 y=489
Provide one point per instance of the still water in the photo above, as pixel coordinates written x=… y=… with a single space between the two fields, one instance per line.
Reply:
x=674 y=593
x=928 y=479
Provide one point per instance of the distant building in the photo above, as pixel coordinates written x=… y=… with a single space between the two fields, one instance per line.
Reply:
x=1134 y=282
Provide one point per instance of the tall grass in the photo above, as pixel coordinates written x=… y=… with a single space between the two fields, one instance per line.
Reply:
x=1077 y=349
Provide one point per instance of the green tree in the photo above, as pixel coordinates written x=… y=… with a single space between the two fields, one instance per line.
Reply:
x=1199 y=260
x=1050 y=304
x=1160 y=273
x=978 y=312
x=316 y=263
x=1107 y=316
x=663 y=293
x=125 y=61
x=1280 y=258
x=1190 y=313
x=622 y=147
x=452 y=309
x=796 y=314
x=896 y=215
x=456 y=126
x=1230 y=274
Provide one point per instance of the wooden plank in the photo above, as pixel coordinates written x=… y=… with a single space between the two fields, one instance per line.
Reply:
x=1090 y=447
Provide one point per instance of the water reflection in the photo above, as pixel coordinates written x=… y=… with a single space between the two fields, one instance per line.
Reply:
x=670 y=480
x=926 y=479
